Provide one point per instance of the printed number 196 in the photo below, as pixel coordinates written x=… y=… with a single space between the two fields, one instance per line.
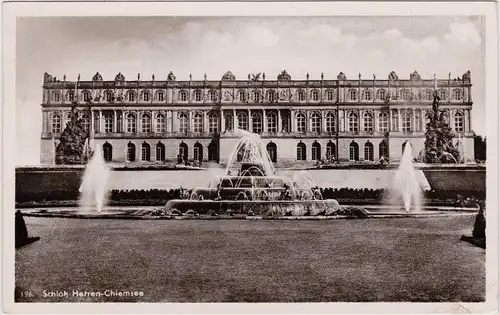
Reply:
x=27 y=294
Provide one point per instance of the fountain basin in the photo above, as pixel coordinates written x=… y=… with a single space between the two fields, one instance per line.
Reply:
x=258 y=207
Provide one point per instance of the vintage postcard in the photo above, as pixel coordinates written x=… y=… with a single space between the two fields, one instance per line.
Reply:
x=250 y=157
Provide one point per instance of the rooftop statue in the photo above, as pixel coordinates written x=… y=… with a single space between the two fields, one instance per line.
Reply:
x=228 y=76
x=97 y=77
x=341 y=76
x=415 y=76
x=393 y=76
x=170 y=76
x=120 y=77
x=284 y=76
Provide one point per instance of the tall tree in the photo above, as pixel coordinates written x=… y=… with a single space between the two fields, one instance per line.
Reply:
x=439 y=137
x=70 y=149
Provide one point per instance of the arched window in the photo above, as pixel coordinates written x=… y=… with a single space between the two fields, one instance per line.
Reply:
x=107 y=152
x=406 y=121
x=354 y=151
x=256 y=96
x=367 y=95
x=56 y=96
x=353 y=94
x=301 y=123
x=368 y=151
x=146 y=152
x=71 y=96
x=330 y=122
x=405 y=94
x=108 y=122
x=242 y=95
x=198 y=152
x=197 y=96
x=368 y=122
x=272 y=151
x=131 y=96
x=331 y=151
x=353 y=122
x=457 y=94
x=56 y=123
x=442 y=94
x=213 y=123
x=301 y=151
x=383 y=122
x=229 y=122
x=160 y=152
x=108 y=95
x=198 y=123
x=183 y=151
x=272 y=122
x=271 y=96
x=87 y=96
x=381 y=94
x=212 y=151
x=429 y=94
x=161 y=123
x=316 y=151
x=212 y=95
x=160 y=96
x=383 y=149
x=315 y=95
x=301 y=95
x=146 y=123
x=85 y=121
x=257 y=123
x=183 y=96
x=130 y=152
x=329 y=95
x=316 y=122
x=131 y=123
x=145 y=96
x=459 y=122
x=242 y=121
x=183 y=123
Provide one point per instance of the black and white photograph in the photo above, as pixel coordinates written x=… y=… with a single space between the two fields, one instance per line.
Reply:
x=250 y=158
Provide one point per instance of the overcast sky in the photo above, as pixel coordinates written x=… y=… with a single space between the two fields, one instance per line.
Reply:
x=147 y=45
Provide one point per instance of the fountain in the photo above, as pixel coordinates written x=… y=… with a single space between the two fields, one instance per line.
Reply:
x=406 y=183
x=93 y=187
x=256 y=189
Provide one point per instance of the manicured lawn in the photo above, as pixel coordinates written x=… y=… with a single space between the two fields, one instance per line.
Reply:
x=254 y=261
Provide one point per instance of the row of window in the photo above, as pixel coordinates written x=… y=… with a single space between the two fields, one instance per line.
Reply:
x=257 y=95
x=316 y=123
x=316 y=154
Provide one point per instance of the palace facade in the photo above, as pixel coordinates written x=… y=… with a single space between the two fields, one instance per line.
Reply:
x=149 y=120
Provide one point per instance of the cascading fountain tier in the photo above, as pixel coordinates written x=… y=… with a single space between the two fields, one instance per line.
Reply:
x=256 y=188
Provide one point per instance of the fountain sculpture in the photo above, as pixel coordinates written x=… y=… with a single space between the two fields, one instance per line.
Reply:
x=406 y=184
x=93 y=187
x=256 y=189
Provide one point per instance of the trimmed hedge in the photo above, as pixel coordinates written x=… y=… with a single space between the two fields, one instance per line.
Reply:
x=158 y=196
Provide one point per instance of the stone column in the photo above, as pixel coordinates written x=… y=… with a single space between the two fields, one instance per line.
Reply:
x=205 y=123
x=264 y=121
x=323 y=122
x=153 y=122
x=280 y=122
x=467 y=120
x=235 y=120
x=399 y=120
x=250 y=121
x=414 y=124
x=308 y=120
x=222 y=121
x=190 y=121
x=292 y=120
x=390 y=121
x=115 y=122
x=375 y=119
x=44 y=121
x=172 y=121
x=138 y=121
